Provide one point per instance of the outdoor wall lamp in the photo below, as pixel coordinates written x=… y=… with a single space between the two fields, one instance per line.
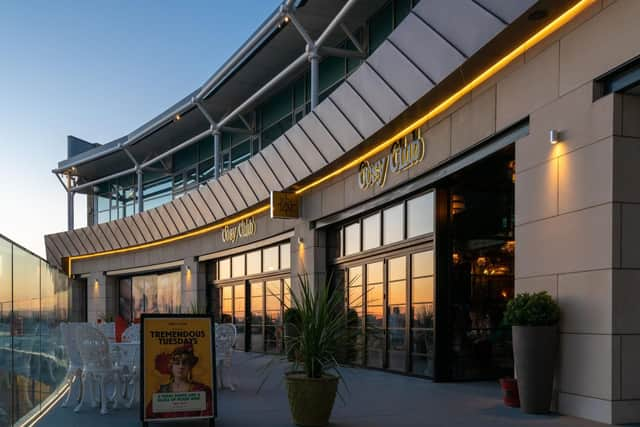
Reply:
x=554 y=137
x=300 y=241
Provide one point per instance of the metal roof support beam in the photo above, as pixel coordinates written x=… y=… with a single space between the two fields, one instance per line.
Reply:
x=61 y=182
x=217 y=136
x=70 y=209
x=246 y=122
x=178 y=147
x=128 y=153
x=314 y=60
x=343 y=53
x=353 y=38
x=139 y=193
x=335 y=22
x=103 y=179
x=236 y=130
x=305 y=35
x=297 y=63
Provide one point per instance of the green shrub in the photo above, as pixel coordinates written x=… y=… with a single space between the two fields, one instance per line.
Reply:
x=537 y=309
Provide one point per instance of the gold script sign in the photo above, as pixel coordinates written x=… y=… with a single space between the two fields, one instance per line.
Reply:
x=242 y=229
x=403 y=155
x=284 y=205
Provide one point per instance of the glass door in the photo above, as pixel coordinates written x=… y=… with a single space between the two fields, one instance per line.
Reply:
x=257 y=316
x=375 y=333
x=396 y=303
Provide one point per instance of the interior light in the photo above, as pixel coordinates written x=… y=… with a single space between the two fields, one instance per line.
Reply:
x=286 y=19
x=178 y=117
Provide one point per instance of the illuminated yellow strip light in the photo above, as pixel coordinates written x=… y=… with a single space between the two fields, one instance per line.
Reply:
x=483 y=77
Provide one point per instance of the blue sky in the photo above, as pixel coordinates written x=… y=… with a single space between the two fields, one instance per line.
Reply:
x=96 y=70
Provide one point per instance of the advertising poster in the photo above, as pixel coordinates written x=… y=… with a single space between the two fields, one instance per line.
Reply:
x=178 y=367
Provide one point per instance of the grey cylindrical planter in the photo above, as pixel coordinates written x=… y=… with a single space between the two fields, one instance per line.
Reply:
x=535 y=351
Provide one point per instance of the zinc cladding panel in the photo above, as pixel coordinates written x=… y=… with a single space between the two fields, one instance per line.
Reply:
x=211 y=201
x=508 y=11
x=184 y=214
x=76 y=240
x=265 y=172
x=221 y=197
x=293 y=159
x=405 y=78
x=151 y=225
x=176 y=217
x=278 y=166
x=168 y=221
x=356 y=110
x=318 y=133
x=59 y=243
x=471 y=29
x=87 y=241
x=201 y=205
x=377 y=93
x=243 y=186
x=131 y=226
x=254 y=180
x=191 y=207
x=305 y=148
x=337 y=124
x=53 y=254
x=141 y=227
x=126 y=232
x=421 y=45
x=157 y=220
x=121 y=240
x=96 y=241
x=98 y=230
x=232 y=192
x=108 y=234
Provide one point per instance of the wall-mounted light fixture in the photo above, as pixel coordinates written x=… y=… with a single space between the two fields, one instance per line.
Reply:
x=300 y=241
x=554 y=137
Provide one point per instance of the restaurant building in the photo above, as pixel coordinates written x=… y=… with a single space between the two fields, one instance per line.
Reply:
x=434 y=157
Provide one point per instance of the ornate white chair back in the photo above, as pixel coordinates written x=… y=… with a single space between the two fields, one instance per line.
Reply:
x=93 y=348
x=131 y=334
x=225 y=339
x=68 y=331
x=108 y=330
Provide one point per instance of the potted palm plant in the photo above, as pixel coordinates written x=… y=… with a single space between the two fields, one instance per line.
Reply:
x=312 y=384
x=534 y=319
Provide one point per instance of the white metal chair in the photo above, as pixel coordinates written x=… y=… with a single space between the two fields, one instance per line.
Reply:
x=74 y=372
x=225 y=339
x=97 y=366
x=108 y=329
x=128 y=361
x=131 y=334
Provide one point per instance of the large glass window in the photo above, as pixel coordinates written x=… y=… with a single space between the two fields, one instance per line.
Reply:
x=374 y=319
x=371 y=232
x=420 y=215
x=152 y=293
x=393 y=220
x=352 y=239
x=422 y=312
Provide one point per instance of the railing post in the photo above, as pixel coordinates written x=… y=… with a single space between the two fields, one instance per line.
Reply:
x=70 y=195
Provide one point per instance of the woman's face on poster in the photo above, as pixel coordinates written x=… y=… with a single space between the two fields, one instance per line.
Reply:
x=180 y=367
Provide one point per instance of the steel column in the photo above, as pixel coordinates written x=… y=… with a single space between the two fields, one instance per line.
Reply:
x=314 y=59
x=216 y=153
x=139 y=192
x=70 y=195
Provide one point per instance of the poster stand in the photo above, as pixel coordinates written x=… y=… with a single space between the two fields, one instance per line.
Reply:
x=178 y=368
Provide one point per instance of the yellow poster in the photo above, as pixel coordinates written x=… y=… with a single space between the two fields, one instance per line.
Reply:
x=178 y=367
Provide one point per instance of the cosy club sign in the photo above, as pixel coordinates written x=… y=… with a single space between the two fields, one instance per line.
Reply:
x=241 y=229
x=403 y=155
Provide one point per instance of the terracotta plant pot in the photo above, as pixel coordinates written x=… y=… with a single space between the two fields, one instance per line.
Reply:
x=534 y=350
x=311 y=399
x=510 y=395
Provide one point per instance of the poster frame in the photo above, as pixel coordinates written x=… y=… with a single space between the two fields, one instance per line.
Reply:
x=214 y=372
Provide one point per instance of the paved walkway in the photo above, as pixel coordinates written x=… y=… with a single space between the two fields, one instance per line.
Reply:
x=374 y=399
